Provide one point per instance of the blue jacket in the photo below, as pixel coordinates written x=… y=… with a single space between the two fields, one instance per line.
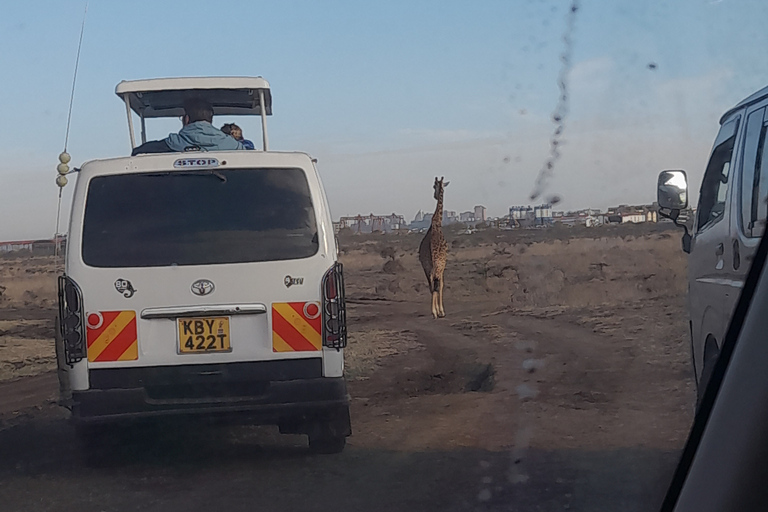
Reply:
x=204 y=135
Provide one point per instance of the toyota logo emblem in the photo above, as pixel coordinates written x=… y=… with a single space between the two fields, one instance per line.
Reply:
x=202 y=287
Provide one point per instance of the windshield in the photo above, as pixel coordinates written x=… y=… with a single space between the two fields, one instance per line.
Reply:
x=198 y=218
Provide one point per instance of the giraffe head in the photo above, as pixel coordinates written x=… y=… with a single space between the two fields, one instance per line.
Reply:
x=440 y=187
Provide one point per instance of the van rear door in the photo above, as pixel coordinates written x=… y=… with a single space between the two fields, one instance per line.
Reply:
x=201 y=266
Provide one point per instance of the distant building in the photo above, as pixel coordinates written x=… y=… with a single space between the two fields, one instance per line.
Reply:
x=635 y=218
x=521 y=216
x=16 y=245
x=520 y=212
x=542 y=215
x=480 y=213
x=422 y=220
x=37 y=247
x=633 y=214
x=524 y=216
x=373 y=223
x=466 y=216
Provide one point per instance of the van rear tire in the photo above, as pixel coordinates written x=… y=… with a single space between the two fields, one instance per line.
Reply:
x=328 y=434
x=711 y=354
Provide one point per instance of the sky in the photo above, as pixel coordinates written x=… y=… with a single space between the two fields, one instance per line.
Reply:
x=388 y=95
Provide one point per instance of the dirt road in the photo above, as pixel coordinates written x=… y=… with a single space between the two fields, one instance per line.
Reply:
x=560 y=380
x=483 y=410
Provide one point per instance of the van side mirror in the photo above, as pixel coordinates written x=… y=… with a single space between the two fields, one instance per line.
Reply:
x=672 y=196
x=672 y=190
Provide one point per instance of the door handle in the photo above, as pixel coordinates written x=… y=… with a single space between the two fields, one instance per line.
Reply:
x=719 y=254
x=736 y=255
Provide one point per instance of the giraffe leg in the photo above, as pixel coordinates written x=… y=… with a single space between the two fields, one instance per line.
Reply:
x=433 y=289
x=440 y=310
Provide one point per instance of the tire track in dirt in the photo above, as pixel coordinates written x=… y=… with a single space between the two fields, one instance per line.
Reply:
x=598 y=390
x=26 y=396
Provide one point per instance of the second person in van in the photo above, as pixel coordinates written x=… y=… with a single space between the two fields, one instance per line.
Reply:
x=198 y=133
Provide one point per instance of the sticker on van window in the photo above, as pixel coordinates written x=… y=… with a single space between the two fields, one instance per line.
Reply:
x=290 y=281
x=195 y=162
x=125 y=287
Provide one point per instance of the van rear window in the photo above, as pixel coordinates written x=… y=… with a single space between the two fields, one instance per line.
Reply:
x=198 y=218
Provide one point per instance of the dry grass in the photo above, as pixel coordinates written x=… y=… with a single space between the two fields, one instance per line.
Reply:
x=26 y=283
x=367 y=349
x=21 y=357
x=26 y=346
x=522 y=271
x=574 y=272
x=606 y=279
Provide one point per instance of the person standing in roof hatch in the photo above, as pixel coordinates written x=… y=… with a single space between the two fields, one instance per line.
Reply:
x=197 y=133
x=237 y=132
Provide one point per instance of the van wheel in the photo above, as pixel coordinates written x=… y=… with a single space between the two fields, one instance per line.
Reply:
x=326 y=443
x=329 y=434
x=711 y=353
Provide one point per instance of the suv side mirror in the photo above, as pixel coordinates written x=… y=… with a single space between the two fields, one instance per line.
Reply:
x=672 y=190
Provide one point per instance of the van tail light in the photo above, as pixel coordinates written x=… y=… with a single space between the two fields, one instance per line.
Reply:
x=71 y=320
x=334 y=308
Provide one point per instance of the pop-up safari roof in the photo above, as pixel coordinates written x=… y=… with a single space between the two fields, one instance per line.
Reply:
x=165 y=97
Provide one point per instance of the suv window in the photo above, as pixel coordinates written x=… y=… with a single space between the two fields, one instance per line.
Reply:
x=198 y=218
x=751 y=179
x=714 y=186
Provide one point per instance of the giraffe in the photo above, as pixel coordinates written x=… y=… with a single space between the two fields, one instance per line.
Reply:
x=433 y=250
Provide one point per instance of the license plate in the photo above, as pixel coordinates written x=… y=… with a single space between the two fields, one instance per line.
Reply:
x=203 y=335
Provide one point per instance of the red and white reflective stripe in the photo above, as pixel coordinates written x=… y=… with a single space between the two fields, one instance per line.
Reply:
x=112 y=336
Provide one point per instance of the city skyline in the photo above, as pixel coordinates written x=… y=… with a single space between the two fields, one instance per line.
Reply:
x=532 y=206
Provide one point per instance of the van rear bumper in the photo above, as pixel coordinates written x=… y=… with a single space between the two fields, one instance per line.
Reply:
x=236 y=391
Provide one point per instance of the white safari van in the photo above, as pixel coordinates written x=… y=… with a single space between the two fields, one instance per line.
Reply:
x=729 y=221
x=203 y=283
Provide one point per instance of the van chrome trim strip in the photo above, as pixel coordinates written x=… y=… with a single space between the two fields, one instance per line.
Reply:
x=721 y=282
x=190 y=311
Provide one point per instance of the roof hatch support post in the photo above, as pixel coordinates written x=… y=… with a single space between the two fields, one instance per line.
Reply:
x=130 y=121
x=263 y=109
x=143 y=129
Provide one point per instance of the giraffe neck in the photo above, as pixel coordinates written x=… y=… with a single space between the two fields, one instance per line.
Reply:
x=437 y=218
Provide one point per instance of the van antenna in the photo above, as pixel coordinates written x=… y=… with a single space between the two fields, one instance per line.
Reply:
x=64 y=158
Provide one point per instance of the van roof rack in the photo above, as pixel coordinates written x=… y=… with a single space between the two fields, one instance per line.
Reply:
x=165 y=97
